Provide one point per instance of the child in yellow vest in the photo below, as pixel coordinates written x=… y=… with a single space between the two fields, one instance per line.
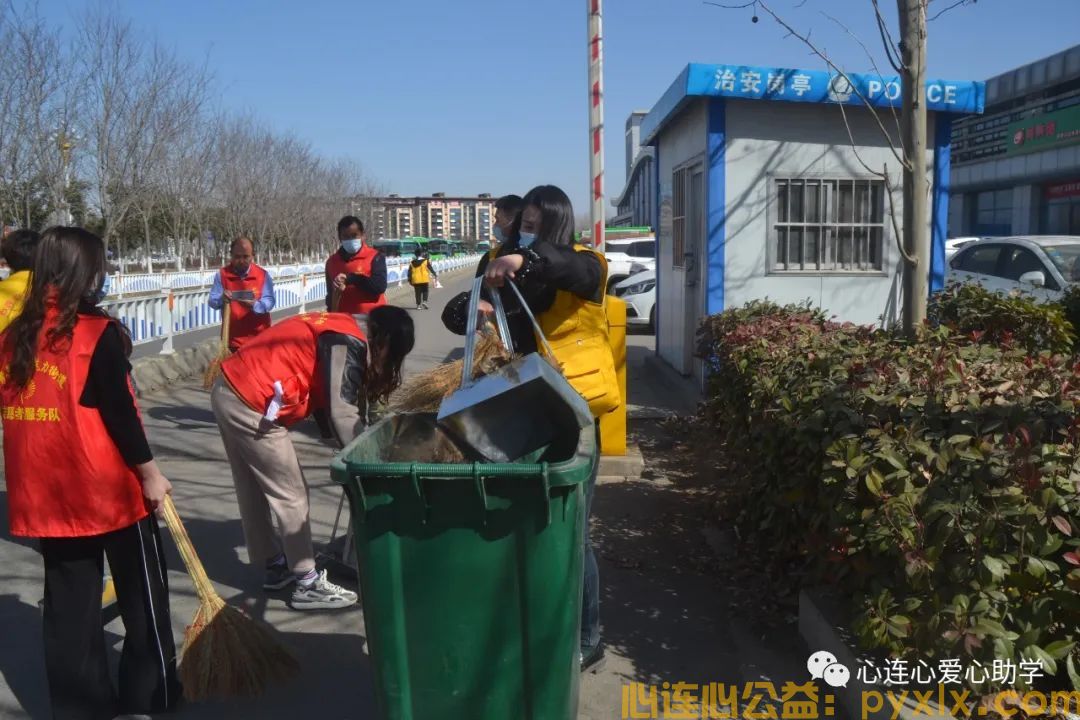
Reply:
x=420 y=276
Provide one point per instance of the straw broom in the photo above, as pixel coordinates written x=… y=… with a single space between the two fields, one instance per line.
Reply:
x=424 y=392
x=214 y=368
x=226 y=653
x=335 y=298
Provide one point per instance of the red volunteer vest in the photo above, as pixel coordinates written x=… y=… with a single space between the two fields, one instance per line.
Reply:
x=353 y=300
x=244 y=322
x=285 y=352
x=65 y=476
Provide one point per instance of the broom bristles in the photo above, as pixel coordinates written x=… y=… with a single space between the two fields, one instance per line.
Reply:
x=228 y=654
x=214 y=369
x=426 y=391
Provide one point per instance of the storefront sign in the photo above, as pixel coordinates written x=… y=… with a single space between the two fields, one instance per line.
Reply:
x=1064 y=190
x=1045 y=132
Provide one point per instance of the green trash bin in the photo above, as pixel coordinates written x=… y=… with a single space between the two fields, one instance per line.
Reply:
x=470 y=576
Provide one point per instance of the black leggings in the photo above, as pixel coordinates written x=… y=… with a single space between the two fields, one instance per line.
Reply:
x=421 y=290
x=76 y=661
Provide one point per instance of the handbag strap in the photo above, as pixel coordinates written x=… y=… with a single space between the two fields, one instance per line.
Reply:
x=470 y=329
x=532 y=318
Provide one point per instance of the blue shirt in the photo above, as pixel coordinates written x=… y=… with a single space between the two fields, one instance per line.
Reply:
x=262 y=306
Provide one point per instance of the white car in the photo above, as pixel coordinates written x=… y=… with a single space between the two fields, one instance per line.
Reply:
x=639 y=294
x=623 y=254
x=1041 y=265
x=953 y=245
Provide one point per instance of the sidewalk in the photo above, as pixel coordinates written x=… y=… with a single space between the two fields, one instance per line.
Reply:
x=656 y=389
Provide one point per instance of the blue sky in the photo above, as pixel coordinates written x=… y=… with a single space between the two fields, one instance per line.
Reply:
x=467 y=96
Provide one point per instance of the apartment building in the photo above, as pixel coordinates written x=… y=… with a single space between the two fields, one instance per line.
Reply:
x=437 y=216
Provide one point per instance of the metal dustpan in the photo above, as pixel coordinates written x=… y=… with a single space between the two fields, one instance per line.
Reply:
x=520 y=408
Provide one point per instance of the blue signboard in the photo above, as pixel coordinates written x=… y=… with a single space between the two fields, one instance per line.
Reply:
x=815 y=86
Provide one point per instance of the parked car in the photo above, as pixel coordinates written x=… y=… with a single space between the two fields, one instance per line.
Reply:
x=623 y=254
x=639 y=293
x=953 y=245
x=1042 y=265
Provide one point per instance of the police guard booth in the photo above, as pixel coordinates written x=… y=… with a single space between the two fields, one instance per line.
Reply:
x=769 y=185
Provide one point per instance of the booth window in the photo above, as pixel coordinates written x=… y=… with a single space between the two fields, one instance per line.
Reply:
x=825 y=225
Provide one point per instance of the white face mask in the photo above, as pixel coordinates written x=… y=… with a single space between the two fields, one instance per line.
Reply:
x=526 y=239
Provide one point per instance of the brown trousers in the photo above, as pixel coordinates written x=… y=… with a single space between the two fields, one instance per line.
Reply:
x=269 y=482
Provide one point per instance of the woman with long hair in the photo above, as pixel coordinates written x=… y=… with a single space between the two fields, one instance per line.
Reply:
x=316 y=362
x=81 y=478
x=564 y=285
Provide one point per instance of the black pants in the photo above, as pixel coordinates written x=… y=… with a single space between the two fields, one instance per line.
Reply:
x=421 y=290
x=75 y=656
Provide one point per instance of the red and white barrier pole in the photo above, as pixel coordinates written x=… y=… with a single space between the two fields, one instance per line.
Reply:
x=596 y=121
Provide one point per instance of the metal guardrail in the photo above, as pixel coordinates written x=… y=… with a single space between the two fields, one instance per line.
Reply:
x=128 y=283
x=171 y=309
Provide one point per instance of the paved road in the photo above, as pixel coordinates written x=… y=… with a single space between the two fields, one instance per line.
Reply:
x=659 y=625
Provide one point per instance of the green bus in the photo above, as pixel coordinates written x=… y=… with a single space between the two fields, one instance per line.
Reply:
x=400 y=248
x=445 y=248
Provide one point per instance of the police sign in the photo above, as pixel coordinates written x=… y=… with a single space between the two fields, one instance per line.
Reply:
x=815 y=86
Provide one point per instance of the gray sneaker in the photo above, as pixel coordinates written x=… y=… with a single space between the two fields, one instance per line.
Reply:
x=278 y=577
x=321 y=595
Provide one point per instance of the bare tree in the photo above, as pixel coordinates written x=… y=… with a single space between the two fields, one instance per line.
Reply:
x=115 y=121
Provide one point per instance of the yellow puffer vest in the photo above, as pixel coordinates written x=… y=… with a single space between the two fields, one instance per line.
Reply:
x=419 y=274
x=577 y=331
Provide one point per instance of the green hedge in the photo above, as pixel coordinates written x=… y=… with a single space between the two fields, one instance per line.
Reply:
x=934 y=480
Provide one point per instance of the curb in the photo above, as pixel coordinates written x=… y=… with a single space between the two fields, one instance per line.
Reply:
x=822 y=628
x=615 y=468
x=157 y=372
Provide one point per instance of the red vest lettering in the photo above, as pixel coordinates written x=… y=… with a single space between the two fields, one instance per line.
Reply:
x=353 y=300
x=285 y=353
x=244 y=322
x=65 y=476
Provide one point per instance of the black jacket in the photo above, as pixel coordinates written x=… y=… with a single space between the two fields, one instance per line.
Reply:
x=341 y=361
x=547 y=268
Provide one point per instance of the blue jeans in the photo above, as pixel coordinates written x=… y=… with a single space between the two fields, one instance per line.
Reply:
x=590 y=605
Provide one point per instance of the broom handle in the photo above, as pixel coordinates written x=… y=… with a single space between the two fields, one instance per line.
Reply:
x=335 y=299
x=226 y=318
x=203 y=587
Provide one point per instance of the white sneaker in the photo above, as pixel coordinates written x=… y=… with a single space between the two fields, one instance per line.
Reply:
x=321 y=595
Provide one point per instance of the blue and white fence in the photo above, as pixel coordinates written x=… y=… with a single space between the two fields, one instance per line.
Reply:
x=149 y=304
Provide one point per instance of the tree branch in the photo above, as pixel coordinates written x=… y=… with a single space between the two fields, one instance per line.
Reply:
x=912 y=261
x=732 y=7
x=881 y=76
x=858 y=93
x=958 y=3
x=892 y=50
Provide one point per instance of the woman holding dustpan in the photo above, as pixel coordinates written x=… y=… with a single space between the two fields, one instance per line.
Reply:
x=564 y=285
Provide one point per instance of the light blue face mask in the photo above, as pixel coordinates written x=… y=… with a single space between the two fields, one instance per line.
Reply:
x=526 y=239
x=499 y=234
x=351 y=246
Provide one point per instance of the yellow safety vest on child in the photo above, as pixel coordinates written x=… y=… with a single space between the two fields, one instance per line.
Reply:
x=419 y=274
